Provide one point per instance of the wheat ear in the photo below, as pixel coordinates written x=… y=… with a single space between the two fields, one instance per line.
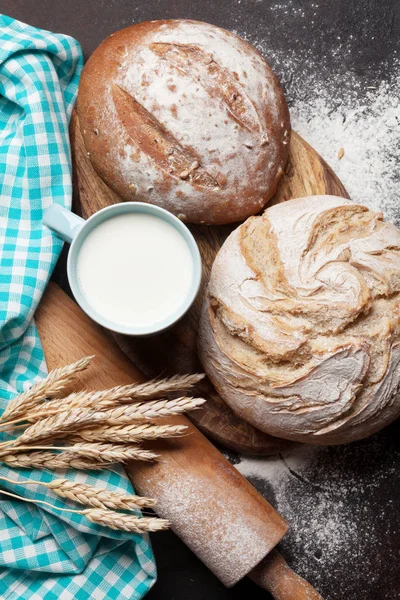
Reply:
x=56 y=426
x=129 y=433
x=123 y=522
x=106 y=399
x=106 y=453
x=97 y=497
x=109 y=453
x=106 y=518
x=51 y=461
x=52 y=385
x=151 y=410
x=158 y=387
x=90 y=495
x=69 y=421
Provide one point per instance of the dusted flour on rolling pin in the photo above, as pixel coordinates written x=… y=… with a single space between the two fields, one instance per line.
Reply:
x=187 y=116
x=300 y=329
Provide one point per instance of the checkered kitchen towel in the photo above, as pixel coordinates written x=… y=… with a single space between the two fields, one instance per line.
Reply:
x=45 y=553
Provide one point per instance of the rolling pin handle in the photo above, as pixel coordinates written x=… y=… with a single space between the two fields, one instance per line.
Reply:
x=274 y=575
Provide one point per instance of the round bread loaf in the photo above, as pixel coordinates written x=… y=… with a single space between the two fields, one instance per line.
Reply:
x=187 y=116
x=300 y=330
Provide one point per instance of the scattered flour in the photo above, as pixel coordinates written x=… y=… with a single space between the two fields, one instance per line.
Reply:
x=368 y=132
x=337 y=99
x=332 y=500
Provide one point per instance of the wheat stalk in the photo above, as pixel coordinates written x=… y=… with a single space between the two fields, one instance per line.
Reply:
x=52 y=385
x=83 y=493
x=82 y=400
x=51 y=461
x=68 y=421
x=105 y=399
x=106 y=518
x=100 y=453
x=123 y=522
x=100 y=400
x=106 y=453
x=129 y=433
x=110 y=453
x=151 y=410
x=56 y=426
x=158 y=387
x=93 y=418
x=97 y=497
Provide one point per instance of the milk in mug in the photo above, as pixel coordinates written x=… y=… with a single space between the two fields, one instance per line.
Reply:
x=135 y=269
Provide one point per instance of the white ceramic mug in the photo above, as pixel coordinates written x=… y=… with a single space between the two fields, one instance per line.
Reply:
x=74 y=230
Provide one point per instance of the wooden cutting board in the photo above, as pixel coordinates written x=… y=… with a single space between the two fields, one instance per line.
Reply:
x=174 y=351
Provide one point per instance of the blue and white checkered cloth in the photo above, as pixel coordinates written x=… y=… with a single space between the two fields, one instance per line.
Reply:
x=45 y=554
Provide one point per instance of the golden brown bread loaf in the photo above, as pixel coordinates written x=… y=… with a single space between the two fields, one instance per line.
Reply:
x=187 y=116
x=300 y=330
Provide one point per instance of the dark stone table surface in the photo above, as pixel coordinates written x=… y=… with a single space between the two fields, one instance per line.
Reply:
x=322 y=41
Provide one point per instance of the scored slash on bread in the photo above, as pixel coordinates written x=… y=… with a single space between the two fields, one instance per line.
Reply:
x=158 y=143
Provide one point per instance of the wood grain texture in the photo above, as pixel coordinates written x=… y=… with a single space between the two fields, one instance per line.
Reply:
x=174 y=351
x=211 y=506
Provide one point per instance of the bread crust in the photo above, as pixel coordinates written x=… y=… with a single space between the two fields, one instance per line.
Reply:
x=187 y=116
x=300 y=329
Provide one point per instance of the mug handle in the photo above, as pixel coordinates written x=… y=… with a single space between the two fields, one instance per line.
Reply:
x=63 y=222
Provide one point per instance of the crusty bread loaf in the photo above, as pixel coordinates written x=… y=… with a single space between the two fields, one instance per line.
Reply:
x=300 y=330
x=187 y=116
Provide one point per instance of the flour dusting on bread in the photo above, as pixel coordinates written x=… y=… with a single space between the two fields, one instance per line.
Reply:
x=300 y=333
x=188 y=113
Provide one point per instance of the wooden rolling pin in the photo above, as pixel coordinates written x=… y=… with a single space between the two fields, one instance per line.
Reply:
x=211 y=506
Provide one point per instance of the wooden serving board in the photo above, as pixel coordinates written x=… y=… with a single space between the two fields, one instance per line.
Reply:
x=174 y=351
